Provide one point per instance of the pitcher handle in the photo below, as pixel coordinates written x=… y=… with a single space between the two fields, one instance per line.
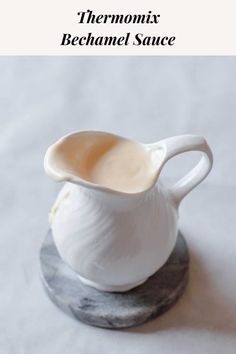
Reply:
x=183 y=143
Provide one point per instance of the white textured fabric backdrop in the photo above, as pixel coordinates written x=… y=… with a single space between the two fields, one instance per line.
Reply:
x=143 y=98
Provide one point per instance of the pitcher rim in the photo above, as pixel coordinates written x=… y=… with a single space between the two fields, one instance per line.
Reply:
x=83 y=182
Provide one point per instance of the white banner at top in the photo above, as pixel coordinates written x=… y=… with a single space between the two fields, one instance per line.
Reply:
x=164 y=27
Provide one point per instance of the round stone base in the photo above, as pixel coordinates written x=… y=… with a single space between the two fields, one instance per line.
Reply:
x=114 y=310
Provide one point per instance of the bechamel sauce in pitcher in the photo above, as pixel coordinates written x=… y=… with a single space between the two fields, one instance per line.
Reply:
x=108 y=161
x=126 y=166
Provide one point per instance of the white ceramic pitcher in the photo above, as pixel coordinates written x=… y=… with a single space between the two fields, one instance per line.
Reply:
x=116 y=240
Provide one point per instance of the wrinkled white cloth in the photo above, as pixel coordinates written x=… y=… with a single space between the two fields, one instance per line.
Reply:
x=146 y=99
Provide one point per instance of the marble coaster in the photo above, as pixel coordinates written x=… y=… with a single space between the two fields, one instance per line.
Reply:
x=114 y=310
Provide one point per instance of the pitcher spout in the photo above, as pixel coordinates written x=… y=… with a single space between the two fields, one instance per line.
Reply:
x=72 y=156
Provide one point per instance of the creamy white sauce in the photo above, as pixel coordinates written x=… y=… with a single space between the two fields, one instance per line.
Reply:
x=125 y=166
x=108 y=161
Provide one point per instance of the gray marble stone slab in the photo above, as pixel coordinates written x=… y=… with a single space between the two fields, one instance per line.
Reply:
x=114 y=310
